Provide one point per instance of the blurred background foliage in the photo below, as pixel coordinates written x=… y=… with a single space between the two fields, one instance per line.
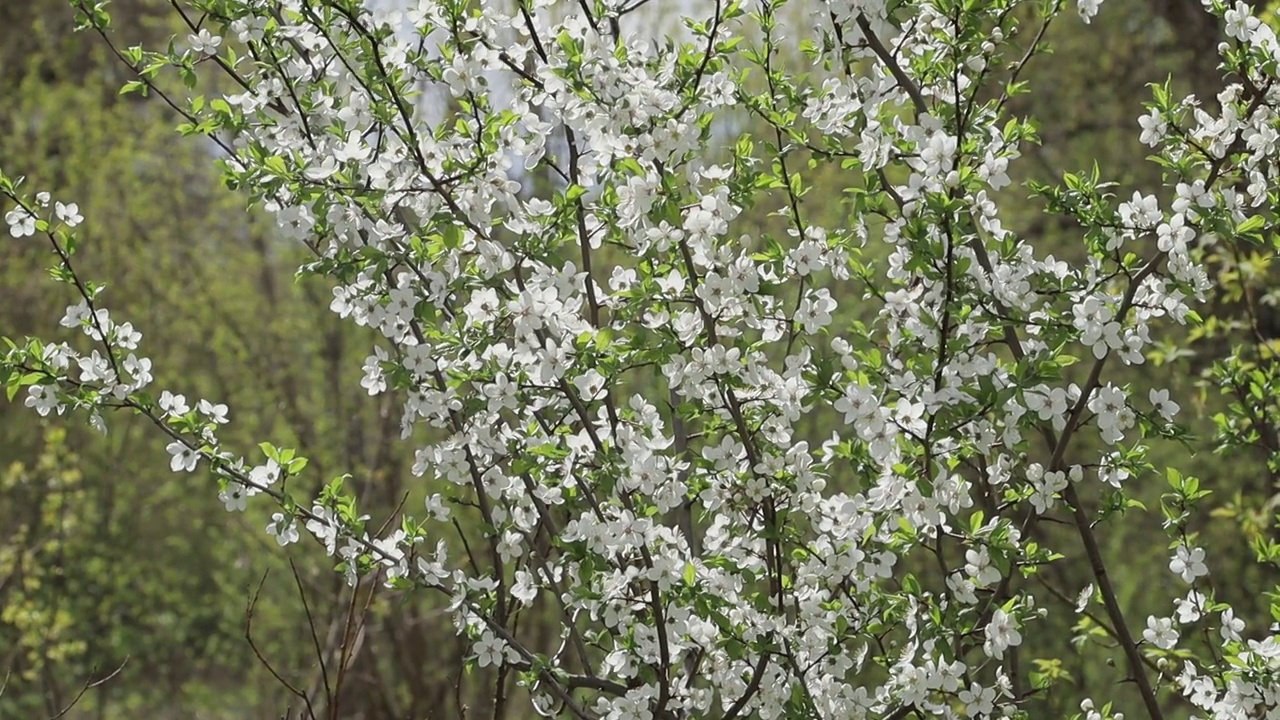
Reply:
x=113 y=568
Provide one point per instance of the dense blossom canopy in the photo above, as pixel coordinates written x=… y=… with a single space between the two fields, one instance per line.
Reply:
x=597 y=358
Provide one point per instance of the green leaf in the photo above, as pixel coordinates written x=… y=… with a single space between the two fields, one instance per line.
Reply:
x=269 y=450
x=452 y=236
x=1251 y=224
x=276 y=164
x=975 y=522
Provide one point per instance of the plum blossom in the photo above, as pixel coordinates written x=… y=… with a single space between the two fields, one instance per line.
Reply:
x=1241 y=24
x=264 y=476
x=1001 y=634
x=1088 y=9
x=1231 y=627
x=489 y=650
x=1154 y=128
x=1188 y=563
x=1167 y=408
x=69 y=214
x=1109 y=405
x=182 y=457
x=1174 y=236
x=978 y=565
x=43 y=399
x=283 y=528
x=173 y=405
x=1190 y=608
x=204 y=42
x=215 y=412
x=234 y=498
x=1161 y=633
x=21 y=222
x=815 y=311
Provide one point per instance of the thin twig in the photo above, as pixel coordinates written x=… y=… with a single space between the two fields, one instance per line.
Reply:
x=87 y=686
x=248 y=636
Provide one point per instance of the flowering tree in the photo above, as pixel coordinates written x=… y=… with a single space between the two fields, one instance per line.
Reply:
x=604 y=371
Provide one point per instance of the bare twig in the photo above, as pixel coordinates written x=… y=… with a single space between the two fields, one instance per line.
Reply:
x=248 y=636
x=89 y=684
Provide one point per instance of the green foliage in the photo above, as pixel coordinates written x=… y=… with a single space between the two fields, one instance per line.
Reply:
x=78 y=511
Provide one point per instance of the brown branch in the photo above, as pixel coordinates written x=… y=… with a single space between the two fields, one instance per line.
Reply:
x=248 y=636
x=85 y=688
